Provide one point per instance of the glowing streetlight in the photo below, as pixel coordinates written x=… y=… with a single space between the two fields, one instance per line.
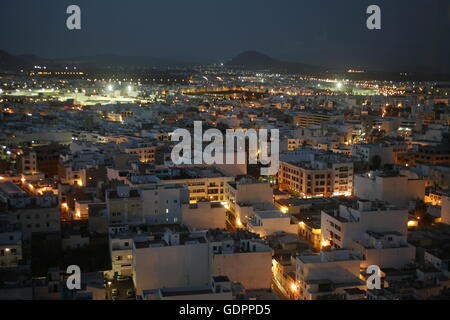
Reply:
x=110 y=87
x=339 y=85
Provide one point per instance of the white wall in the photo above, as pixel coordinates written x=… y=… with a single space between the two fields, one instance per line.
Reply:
x=171 y=266
x=252 y=269
x=204 y=216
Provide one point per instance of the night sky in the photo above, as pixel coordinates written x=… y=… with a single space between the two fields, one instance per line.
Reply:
x=415 y=33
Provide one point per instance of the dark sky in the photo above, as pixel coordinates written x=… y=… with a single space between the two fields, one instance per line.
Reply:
x=415 y=33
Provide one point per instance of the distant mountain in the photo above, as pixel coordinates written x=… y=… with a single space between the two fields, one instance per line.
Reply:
x=249 y=60
x=257 y=60
x=122 y=61
x=254 y=60
x=10 y=62
x=26 y=61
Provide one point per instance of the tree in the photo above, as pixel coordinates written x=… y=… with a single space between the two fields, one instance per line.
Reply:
x=420 y=212
x=375 y=162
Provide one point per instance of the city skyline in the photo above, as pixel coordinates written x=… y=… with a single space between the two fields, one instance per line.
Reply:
x=243 y=152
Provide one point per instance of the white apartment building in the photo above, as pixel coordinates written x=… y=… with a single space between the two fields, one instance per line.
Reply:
x=329 y=273
x=341 y=227
x=173 y=260
x=10 y=245
x=152 y=204
x=191 y=259
x=385 y=249
x=388 y=152
x=121 y=250
x=34 y=213
x=266 y=223
x=398 y=188
x=204 y=215
x=377 y=230
x=204 y=183
x=162 y=204
x=245 y=197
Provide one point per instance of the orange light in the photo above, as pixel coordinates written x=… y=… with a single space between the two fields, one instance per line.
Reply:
x=413 y=223
x=325 y=243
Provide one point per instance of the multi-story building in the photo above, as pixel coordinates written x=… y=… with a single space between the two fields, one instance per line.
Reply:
x=121 y=245
x=399 y=188
x=385 y=152
x=266 y=223
x=145 y=151
x=322 y=175
x=47 y=158
x=203 y=183
x=349 y=223
x=326 y=274
x=201 y=215
x=245 y=197
x=34 y=213
x=162 y=203
x=10 y=245
x=26 y=162
x=191 y=259
x=435 y=155
x=124 y=205
x=309 y=118
x=152 y=204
